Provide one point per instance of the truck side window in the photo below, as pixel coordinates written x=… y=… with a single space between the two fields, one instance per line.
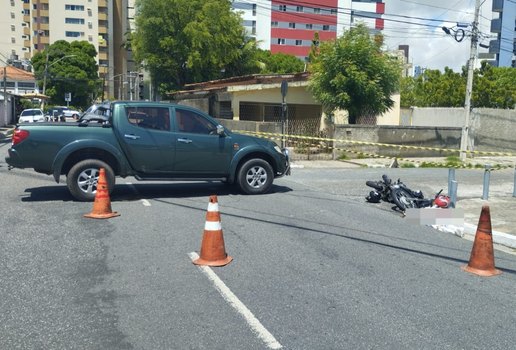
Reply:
x=189 y=121
x=156 y=118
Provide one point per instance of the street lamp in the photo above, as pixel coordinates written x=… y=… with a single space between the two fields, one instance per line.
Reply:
x=46 y=72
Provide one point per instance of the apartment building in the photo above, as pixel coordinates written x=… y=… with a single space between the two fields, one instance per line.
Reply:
x=504 y=27
x=34 y=24
x=289 y=26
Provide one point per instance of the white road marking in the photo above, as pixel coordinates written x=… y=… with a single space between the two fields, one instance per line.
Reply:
x=232 y=299
x=145 y=202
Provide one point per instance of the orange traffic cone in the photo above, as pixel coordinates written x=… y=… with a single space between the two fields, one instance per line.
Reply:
x=213 y=252
x=102 y=203
x=481 y=261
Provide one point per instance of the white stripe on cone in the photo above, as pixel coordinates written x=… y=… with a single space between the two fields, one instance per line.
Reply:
x=213 y=206
x=212 y=226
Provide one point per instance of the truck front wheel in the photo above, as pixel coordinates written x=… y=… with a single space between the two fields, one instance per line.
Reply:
x=83 y=177
x=255 y=176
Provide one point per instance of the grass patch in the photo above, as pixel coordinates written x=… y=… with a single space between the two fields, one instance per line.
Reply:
x=407 y=165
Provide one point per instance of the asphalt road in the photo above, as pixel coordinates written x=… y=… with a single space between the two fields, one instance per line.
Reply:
x=314 y=266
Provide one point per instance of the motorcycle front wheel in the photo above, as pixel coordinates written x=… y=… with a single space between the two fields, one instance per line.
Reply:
x=403 y=198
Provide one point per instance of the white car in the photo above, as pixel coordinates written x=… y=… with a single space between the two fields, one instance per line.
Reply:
x=71 y=113
x=31 y=115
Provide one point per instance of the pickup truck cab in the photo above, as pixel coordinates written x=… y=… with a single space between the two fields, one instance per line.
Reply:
x=150 y=141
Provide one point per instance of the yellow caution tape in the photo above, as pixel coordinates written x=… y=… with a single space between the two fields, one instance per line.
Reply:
x=289 y=136
x=282 y=137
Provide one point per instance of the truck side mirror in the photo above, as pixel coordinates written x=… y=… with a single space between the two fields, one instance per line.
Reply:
x=220 y=130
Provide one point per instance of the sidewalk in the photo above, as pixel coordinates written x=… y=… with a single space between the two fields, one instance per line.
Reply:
x=502 y=208
x=6 y=132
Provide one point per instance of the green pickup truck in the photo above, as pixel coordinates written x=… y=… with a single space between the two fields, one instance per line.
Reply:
x=150 y=141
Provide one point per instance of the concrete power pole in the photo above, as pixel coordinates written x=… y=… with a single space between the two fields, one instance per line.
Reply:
x=5 y=94
x=469 y=84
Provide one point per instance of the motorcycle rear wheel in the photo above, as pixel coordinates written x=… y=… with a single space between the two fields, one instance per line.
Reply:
x=403 y=198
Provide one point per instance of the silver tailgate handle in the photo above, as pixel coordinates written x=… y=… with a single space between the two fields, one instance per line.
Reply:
x=131 y=136
x=184 y=140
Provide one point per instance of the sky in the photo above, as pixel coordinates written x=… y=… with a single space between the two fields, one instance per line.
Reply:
x=429 y=46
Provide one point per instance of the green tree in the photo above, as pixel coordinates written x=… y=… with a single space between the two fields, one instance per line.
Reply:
x=494 y=87
x=352 y=73
x=71 y=67
x=279 y=63
x=184 y=41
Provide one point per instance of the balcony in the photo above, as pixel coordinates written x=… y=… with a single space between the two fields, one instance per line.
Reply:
x=103 y=16
x=26 y=31
x=26 y=43
x=103 y=30
x=103 y=55
x=103 y=69
x=497 y=6
x=494 y=46
x=42 y=40
x=26 y=18
x=496 y=25
x=102 y=3
x=40 y=26
x=43 y=13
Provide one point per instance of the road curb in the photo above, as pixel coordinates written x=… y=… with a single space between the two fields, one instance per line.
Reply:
x=498 y=237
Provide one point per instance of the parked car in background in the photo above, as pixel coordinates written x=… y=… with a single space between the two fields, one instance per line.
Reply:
x=31 y=115
x=60 y=113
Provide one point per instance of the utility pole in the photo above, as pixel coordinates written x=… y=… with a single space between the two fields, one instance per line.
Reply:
x=5 y=94
x=469 y=84
x=44 y=81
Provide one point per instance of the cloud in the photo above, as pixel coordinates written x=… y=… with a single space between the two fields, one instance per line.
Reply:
x=429 y=46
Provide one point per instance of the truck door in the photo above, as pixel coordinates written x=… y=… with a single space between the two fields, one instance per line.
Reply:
x=199 y=149
x=146 y=138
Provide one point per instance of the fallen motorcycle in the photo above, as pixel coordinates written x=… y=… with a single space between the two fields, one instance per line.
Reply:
x=398 y=193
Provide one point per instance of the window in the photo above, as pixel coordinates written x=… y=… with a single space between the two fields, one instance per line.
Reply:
x=13 y=28
x=309 y=26
x=274 y=24
x=333 y=11
x=299 y=8
x=283 y=8
x=73 y=34
x=74 y=20
x=74 y=7
x=317 y=10
x=13 y=40
x=192 y=122
x=325 y=27
x=292 y=25
x=26 y=12
x=25 y=85
x=299 y=42
x=281 y=41
x=254 y=9
x=13 y=16
x=156 y=118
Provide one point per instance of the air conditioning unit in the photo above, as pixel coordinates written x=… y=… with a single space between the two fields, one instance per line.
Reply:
x=24 y=49
x=24 y=36
x=24 y=24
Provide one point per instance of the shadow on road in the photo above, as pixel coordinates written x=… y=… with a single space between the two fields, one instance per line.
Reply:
x=133 y=192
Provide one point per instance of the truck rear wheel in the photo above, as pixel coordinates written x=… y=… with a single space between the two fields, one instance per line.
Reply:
x=255 y=176
x=83 y=177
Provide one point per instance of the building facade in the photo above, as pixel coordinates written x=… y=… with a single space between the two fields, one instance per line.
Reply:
x=32 y=25
x=504 y=27
x=290 y=26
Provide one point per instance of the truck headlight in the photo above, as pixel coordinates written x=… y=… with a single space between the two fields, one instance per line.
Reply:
x=278 y=149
